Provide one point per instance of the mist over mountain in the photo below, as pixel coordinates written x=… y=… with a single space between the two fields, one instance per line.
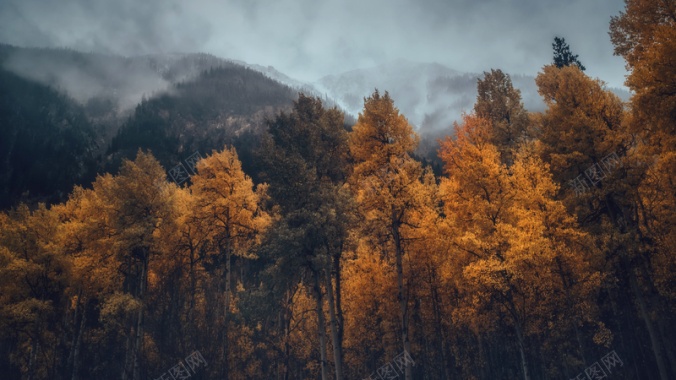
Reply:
x=177 y=103
x=47 y=144
x=67 y=114
x=432 y=96
x=124 y=81
x=222 y=106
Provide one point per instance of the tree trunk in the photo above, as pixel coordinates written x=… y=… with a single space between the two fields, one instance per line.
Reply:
x=138 y=344
x=401 y=296
x=574 y=320
x=321 y=324
x=483 y=362
x=193 y=291
x=615 y=212
x=439 y=329
x=75 y=361
x=643 y=310
x=339 y=303
x=522 y=351
x=337 y=344
x=126 y=371
x=75 y=330
x=226 y=311
x=32 y=357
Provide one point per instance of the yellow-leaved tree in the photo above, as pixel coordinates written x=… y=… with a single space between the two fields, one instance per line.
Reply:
x=521 y=253
x=392 y=189
x=228 y=206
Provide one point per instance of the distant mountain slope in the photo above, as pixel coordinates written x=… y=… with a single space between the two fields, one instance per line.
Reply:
x=61 y=108
x=224 y=105
x=46 y=143
x=90 y=77
x=430 y=95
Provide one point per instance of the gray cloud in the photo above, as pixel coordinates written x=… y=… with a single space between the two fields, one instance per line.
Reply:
x=311 y=38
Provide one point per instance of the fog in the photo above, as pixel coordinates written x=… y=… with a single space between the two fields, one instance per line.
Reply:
x=124 y=81
x=308 y=39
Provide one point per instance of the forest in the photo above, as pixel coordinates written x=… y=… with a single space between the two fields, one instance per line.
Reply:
x=536 y=245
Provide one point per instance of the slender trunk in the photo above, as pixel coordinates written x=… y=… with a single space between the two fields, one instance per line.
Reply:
x=75 y=329
x=138 y=345
x=569 y=304
x=287 y=349
x=285 y=320
x=440 y=332
x=667 y=343
x=78 y=343
x=193 y=291
x=226 y=312
x=482 y=358
x=192 y=281
x=663 y=335
x=339 y=303
x=128 y=349
x=321 y=324
x=401 y=296
x=32 y=357
x=522 y=351
x=652 y=333
x=337 y=349
x=616 y=213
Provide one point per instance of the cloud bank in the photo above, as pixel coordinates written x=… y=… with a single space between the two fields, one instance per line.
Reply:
x=308 y=39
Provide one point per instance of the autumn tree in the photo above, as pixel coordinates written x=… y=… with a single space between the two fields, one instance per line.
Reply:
x=134 y=209
x=595 y=158
x=500 y=103
x=227 y=202
x=111 y=234
x=563 y=56
x=34 y=281
x=643 y=34
x=521 y=253
x=392 y=189
x=306 y=166
x=582 y=124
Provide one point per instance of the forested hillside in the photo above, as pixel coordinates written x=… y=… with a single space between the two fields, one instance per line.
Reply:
x=69 y=115
x=222 y=106
x=296 y=245
x=47 y=144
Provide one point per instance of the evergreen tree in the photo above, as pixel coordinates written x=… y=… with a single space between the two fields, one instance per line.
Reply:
x=563 y=56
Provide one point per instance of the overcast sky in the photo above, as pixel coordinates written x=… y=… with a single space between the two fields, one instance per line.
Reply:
x=307 y=39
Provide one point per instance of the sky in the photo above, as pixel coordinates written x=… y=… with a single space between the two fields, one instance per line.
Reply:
x=307 y=39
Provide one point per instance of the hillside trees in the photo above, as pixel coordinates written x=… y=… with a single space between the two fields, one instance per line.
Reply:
x=131 y=210
x=306 y=167
x=500 y=103
x=392 y=189
x=546 y=242
x=226 y=204
x=520 y=252
x=595 y=158
x=644 y=36
x=34 y=279
x=47 y=145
